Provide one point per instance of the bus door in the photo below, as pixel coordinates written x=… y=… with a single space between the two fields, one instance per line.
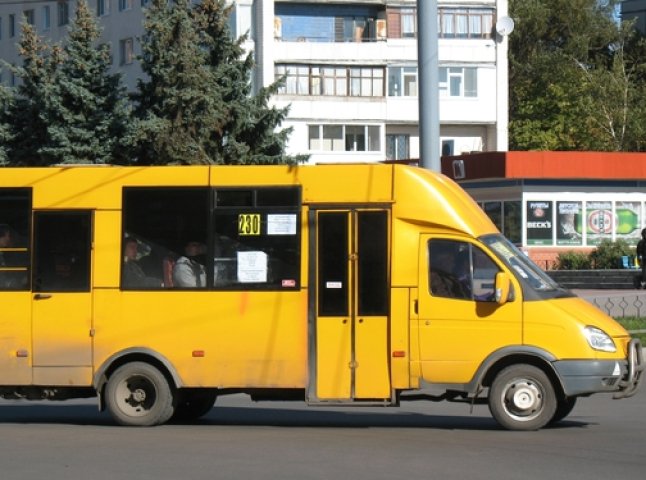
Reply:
x=460 y=323
x=349 y=312
x=62 y=298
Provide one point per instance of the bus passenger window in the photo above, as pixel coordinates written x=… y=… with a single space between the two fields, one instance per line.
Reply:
x=15 y=214
x=62 y=251
x=256 y=238
x=164 y=221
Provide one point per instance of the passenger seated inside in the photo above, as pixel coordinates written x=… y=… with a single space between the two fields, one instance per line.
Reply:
x=448 y=275
x=133 y=276
x=189 y=269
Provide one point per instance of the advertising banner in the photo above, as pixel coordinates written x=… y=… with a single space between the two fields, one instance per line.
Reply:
x=628 y=218
x=539 y=223
x=569 y=220
x=598 y=220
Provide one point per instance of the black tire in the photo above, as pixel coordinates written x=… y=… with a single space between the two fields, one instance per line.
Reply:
x=138 y=394
x=194 y=403
x=522 y=397
x=563 y=408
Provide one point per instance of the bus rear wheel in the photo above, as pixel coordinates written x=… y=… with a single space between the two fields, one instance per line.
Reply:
x=522 y=397
x=138 y=394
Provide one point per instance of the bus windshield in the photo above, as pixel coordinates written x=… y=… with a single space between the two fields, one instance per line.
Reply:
x=530 y=275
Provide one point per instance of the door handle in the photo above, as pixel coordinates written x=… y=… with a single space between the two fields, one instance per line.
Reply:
x=42 y=296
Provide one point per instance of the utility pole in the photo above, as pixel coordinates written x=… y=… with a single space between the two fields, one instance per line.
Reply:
x=428 y=80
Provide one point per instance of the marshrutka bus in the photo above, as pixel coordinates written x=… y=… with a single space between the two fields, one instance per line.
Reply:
x=158 y=289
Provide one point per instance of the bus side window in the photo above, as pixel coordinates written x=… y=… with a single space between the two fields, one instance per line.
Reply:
x=460 y=270
x=15 y=214
x=449 y=269
x=484 y=276
x=62 y=251
x=159 y=223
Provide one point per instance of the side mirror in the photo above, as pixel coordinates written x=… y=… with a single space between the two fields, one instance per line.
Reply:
x=503 y=288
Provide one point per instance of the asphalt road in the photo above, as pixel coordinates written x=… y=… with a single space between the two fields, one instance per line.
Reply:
x=601 y=439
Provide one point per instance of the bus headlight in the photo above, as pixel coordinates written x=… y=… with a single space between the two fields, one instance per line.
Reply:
x=599 y=340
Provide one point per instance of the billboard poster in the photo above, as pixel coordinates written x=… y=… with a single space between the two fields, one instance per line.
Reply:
x=569 y=223
x=539 y=223
x=598 y=221
x=628 y=220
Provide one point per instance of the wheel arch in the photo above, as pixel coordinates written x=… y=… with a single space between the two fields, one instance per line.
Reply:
x=501 y=359
x=129 y=355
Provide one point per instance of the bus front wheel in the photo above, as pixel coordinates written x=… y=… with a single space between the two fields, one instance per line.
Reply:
x=522 y=397
x=138 y=394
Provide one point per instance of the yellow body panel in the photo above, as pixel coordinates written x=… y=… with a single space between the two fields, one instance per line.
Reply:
x=15 y=338
x=222 y=339
x=333 y=358
x=556 y=326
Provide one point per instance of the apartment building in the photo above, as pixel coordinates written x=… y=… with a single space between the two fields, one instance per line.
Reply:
x=350 y=68
x=635 y=10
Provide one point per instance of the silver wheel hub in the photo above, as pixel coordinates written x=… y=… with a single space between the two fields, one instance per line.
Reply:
x=523 y=399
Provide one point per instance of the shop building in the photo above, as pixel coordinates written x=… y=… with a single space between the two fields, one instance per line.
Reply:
x=554 y=202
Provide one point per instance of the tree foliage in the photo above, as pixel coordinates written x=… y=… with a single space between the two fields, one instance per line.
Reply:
x=575 y=77
x=196 y=105
x=67 y=107
x=27 y=108
x=90 y=108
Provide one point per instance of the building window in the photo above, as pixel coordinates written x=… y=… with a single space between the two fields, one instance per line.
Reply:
x=327 y=22
x=366 y=82
x=125 y=5
x=46 y=18
x=102 y=7
x=465 y=22
x=331 y=80
x=345 y=138
x=12 y=25
x=63 y=13
x=458 y=82
x=408 y=18
x=126 y=51
x=30 y=16
x=402 y=81
x=397 y=147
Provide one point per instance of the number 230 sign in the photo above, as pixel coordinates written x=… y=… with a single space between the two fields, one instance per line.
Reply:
x=249 y=224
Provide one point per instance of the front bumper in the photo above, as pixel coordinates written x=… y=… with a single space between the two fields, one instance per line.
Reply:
x=581 y=377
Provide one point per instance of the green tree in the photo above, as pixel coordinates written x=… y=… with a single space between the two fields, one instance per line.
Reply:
x=196 y=105
x=179 y=107
x=27 y=108
x=6 y=98
x=572 y=81
x=90 y=111
x=250 y=134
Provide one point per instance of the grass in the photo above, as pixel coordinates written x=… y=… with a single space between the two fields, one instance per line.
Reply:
x=636 y=326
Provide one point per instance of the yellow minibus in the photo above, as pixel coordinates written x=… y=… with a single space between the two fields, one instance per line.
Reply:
x=158 y=289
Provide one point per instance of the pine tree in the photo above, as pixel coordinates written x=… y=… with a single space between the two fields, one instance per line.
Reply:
x=250 y=134
x=89 y=111
x=196 y=105
x=179 y=108
x=27 y=109
x=6 y=98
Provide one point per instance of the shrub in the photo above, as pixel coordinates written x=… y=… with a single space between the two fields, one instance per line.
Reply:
x=608 y=254
x=573 y=261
